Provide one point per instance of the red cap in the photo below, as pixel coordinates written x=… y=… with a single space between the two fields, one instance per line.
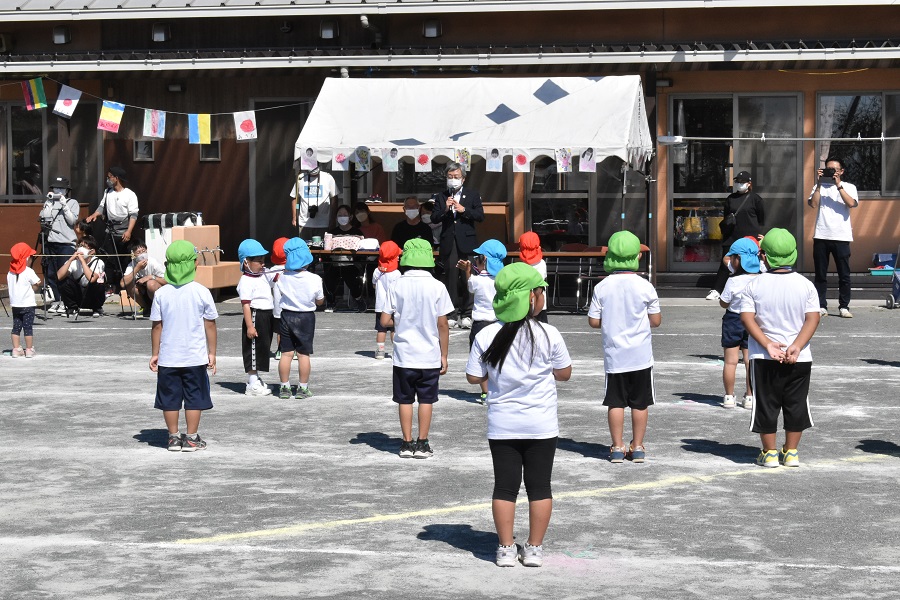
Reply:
x=388 y=257
x=530 y=248
x=278 y=256
x=20 y=253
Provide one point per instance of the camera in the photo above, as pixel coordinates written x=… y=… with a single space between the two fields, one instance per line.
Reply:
x=313 y=211
x=54 y=197
x=827 y=172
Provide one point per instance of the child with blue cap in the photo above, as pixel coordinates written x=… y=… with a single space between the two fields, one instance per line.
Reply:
x=488 y=262
x=257 y=304
x=742 y=260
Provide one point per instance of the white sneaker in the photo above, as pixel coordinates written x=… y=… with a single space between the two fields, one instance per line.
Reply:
x=531 y=556
x=823 y=312
x=712 y=295
x=258 y=389
x=506 y=556
x=451 y=323
x=728 y=401
x=748 y=402
x=845 y=313
x=465 y=323
x=379 y=354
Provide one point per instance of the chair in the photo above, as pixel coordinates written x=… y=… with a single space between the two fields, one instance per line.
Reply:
x=594 y=272
x=559 y=267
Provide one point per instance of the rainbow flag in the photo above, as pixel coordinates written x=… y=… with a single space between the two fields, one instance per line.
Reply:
x=33 y=89
x=198 y=128
x=111 y=116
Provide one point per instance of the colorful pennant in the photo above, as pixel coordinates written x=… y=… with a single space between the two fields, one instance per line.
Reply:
x=198 y=128
x=33 y=89
x=111 y=116
x=66 y=102
x=245 y=126
x=154 y=123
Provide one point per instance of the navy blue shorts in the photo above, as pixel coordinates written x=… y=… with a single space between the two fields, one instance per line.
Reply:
x=297 y=331
x=734 y=334
x=378 y=327
x=476 y=327
x=412 y=384
x=182 y=385
x=632 y=389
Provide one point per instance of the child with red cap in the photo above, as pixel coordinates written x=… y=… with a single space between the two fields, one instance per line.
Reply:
x=383 y=278
x=21 y=283
x=278 y=261
x=531 y=254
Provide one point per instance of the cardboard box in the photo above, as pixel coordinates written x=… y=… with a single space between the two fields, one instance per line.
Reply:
x=224 y=274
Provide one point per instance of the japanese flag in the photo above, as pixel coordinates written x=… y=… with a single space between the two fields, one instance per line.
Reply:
x=66 y=101
x=245 y=126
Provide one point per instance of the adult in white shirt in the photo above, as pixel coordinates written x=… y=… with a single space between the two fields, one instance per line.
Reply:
x=119 y=208
x=833 y=233
x=313 y=203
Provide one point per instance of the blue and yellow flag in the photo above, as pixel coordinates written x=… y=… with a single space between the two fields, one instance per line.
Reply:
x=198 y=128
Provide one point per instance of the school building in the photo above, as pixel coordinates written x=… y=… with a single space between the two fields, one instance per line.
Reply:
x=773 y=87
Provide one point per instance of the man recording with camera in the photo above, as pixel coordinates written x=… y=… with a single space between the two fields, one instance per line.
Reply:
x=119 y=208
x=313 y=201
x=833 y=198
x=58 y=218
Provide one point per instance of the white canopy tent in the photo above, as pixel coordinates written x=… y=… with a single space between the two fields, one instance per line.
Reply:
x=533 y=116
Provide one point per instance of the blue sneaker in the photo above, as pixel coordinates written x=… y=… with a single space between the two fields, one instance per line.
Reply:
x=636 y=454
x=616 y=454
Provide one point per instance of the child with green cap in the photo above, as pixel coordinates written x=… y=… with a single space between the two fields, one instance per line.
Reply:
x=780 y=310
x=521 y=360
x=183 y=337
x=417 y=307
x=625 y=307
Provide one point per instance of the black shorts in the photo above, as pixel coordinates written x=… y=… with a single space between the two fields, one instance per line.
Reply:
x=378 y=327
x=514 y=458
x=631 y=389
x=256 y=351
x=297 y=331
x=779 y=387
x=413 y=384
x=476 y=327
x=182 y=385
x=734 y=334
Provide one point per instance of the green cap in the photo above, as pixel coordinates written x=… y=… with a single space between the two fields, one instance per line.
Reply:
x=623 y=252
x=514 y=284
x=417 y=253
x=181 y=262
x=780 y=248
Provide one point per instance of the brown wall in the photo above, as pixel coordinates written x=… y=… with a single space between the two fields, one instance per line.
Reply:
x=21 y=223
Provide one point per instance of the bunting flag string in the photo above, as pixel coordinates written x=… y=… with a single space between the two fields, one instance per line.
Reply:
x=33 y=90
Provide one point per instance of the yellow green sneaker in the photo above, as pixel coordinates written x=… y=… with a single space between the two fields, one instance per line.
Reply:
x=789 y=457
x=767 y=458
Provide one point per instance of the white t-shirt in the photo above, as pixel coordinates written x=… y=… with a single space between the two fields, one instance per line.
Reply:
x=417 y=300
x=734 y=288
x=780 y=301
x=541 y=267
x=183 y=310
x=120 y=206
x=522 y=397
x=299 y=290
x=94 y=264
x=153 y=267
x=273 y=274
x=383 y=283
x=318 y=192
x=624 y=301
x=257 y=290
x=21 y=294
x=483 y=291
x=833 y=218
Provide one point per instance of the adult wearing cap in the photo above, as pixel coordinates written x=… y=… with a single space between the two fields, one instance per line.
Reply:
x=833 y=200
x=119 y=209
x=313 y=203
x=458 y=209
x=745 y=215
x=58 y=218
x=520 y=359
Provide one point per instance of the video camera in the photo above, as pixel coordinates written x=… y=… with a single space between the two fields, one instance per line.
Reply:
x=54 y=197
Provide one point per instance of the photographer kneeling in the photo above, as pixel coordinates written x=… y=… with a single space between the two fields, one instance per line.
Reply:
x=58 y=218
x=143 y=276
x=82 y=280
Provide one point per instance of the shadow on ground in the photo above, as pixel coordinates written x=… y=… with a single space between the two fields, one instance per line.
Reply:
x=464 y=395
x=482 y=544
x=738 y=453
x=882 y=363
x=700 y=398
x=586 y=449
x=378 y=441
x=233 y=386
x=158 y=438
x=713 y=357
x=879 y=447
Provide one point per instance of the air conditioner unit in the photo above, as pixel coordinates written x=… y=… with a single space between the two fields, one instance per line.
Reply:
x=5 y=43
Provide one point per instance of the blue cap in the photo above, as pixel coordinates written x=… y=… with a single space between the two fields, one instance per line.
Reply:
x=495 y=252
x=297 y=253
x=250 y=248
x=749 y=253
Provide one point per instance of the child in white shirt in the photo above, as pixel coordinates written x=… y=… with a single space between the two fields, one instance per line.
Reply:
x=383 y=279
x=743 y=261
x=257 y=305
x=530 y=253
x=21 y=282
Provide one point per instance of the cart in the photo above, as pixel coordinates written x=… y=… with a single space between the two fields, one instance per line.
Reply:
x=893 y=299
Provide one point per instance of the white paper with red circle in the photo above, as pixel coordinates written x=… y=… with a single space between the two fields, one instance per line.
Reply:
x=341 y=159
x=521 y=160
x=245 y=126
x=422 y=159
x=66 y=101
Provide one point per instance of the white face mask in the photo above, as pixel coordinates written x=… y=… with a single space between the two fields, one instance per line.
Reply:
x=426 y=218
x=742 y=188
x=362 y=217
x=730 y=267
x=343 y=220
x=141 y=256
x=85 y=252
x=454 y=184
x=411 y=213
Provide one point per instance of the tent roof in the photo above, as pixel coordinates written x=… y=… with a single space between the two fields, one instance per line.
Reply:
x=534 y=114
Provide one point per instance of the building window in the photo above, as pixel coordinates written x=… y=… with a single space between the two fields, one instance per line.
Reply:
x=211 y=152
x=143 y=151
x=846 y=116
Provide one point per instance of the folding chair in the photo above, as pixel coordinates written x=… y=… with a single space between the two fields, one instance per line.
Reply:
x=559 y=267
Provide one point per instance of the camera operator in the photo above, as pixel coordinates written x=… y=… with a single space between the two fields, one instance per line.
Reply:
x=119 y=208
x=58 y=218
x=143 y=276
x=313 y=202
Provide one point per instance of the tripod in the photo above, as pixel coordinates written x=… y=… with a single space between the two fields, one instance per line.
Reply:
x=40 y=247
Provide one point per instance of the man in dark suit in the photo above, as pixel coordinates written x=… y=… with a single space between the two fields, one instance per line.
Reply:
x=457 y=209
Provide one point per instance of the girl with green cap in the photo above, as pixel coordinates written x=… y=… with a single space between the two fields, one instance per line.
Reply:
x=520 y=359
